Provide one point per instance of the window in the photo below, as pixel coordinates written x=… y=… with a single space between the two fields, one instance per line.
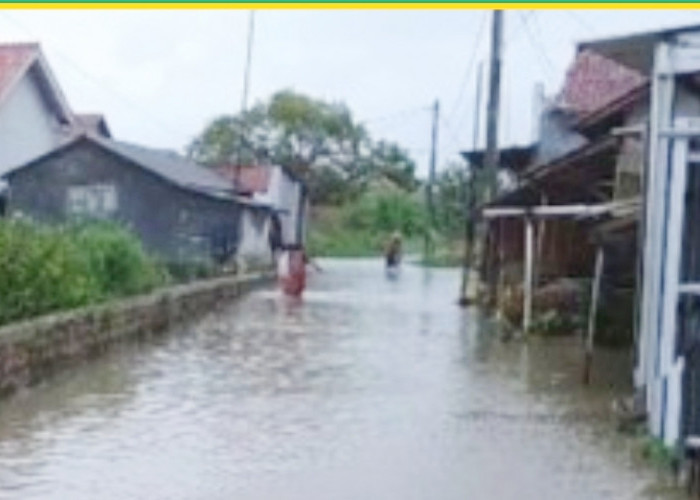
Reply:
x=94 y=200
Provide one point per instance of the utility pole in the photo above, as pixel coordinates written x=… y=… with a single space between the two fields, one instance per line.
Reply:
x=246 y=86
x=470 y=201
x=491 y=157
x=248 y=61
x=431 y=180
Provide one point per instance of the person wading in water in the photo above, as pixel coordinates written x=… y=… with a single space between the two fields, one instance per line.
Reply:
x=392 y=252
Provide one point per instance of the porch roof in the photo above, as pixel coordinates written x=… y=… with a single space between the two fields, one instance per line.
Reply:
x=636 y=50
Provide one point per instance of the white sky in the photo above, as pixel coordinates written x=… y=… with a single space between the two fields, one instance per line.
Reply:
x=161 y=75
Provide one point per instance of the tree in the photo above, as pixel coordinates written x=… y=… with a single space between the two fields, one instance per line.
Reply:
x=319 y=141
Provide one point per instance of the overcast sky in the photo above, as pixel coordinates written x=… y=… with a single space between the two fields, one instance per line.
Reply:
x=160 y=76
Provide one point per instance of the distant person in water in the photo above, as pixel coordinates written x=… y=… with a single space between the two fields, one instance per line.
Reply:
x=393 y=251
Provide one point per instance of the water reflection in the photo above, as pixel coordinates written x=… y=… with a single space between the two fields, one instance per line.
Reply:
x=367 y=388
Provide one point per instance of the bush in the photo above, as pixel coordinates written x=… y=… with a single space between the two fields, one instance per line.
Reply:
x=117 y=260
x=362 y=227
x=45 y=269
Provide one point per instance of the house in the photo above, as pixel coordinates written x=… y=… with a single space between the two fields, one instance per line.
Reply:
x=34 y=114
x=630 y=193
x=183 y=212
x=667 y=373
x=280 y=188
x=567 y=166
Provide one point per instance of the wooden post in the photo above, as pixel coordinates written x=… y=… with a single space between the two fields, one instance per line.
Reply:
x=592 y=314
x=470 y=213
x=491 y=157
x=541 y=228
x=529 y=268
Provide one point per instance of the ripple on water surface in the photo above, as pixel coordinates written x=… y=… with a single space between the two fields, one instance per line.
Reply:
x=369 y=388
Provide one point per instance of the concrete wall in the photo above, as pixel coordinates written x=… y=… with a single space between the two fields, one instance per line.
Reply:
x=254 y=249
x=177 y=224
x=27 y=126
x=32 y=350
x=284 y=193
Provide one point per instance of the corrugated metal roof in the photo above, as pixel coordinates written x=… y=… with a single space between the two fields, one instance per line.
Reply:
x=171 y=166
x=94 y=123
x=636 y=50
x=166 y=164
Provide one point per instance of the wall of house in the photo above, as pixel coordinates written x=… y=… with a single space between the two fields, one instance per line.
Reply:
x=284 y=193
x=556 y=136
x=175 y=223
x=661 y=368
x=254 y=249
x=630 y=160
x=28 y=128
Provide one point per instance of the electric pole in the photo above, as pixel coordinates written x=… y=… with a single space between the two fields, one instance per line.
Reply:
x=243 y=142
x=248 y=61
x=431 y=180
x=470 y=199
x=491 y=158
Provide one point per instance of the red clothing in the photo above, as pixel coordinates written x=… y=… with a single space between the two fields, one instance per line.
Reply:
x=293 y=275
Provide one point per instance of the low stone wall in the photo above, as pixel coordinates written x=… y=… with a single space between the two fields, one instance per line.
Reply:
x=30 y=350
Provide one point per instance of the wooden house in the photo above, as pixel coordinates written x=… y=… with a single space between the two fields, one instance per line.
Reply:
x=183 y=212
x=630 y=194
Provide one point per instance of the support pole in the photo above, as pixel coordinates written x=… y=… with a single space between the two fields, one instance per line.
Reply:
x=248 y=61
x=593 y=314
x=529 y=273
x=431 y=180
x=470 y=206
x=492 y=111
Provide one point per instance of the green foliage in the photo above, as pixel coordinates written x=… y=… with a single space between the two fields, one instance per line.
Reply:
x=556 y=322
x=654 y=450
x=384 y=213
x=45 y=269
x=318 y=140
x=361 y=228
x=117 y=259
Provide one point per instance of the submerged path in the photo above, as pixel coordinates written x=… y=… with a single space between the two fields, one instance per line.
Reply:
x=368 y=389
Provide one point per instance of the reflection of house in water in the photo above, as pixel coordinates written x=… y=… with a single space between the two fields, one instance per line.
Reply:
x=613 y=175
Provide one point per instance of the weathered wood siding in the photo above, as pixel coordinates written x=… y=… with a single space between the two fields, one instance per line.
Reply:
x=176 y=223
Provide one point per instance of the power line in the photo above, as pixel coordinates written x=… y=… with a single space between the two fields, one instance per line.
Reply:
x=248 y=60
x=396 y=114
x=470 y=65
x=547 y=64
x=588 y=27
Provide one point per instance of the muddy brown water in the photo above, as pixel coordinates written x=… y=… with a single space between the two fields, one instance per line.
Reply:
x=369 y=388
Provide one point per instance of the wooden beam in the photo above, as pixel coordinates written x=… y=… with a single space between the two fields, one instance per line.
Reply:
x=528 y=278
x=593 y=314
x=578 y=210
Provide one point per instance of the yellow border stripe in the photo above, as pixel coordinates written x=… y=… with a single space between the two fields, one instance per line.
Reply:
x=345 y=5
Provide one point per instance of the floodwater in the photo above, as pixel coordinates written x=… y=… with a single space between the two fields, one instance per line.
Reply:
x=372 y=388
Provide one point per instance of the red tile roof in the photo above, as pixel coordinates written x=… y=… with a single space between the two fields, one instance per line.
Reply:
x=247 y=179
x=14 y=60
x=593 y=81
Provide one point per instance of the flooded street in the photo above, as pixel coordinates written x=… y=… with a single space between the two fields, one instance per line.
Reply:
x=369 y=388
